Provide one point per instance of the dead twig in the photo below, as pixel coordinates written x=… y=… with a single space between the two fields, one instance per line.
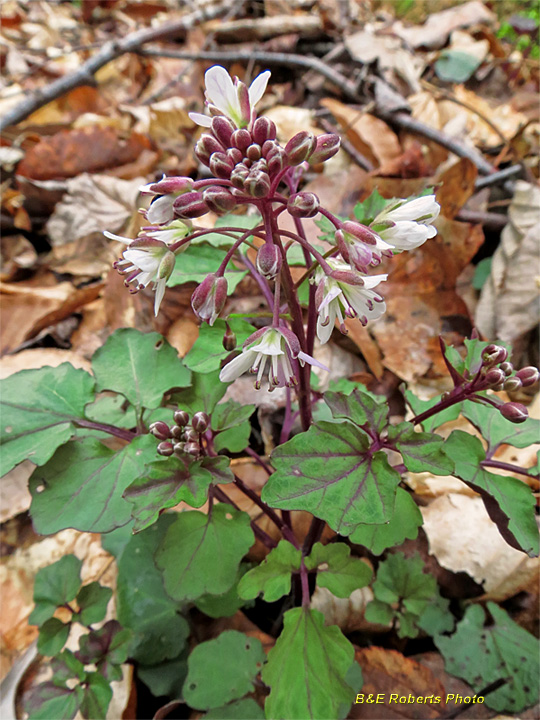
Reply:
x=493 y=221
x=497 y=177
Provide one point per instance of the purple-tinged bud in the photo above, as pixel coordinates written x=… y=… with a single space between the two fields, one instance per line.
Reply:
x=219 y=199
x=241 y=139
x=528 y=375
x=300 y=147
x=507 y=368
x=192 y=448
x=191 y=435
x=263 y=129
x=360 y=232
x=244 y=103
x=177 y=433
x=209 y=298
x=200 y=422
x=257 y=183
x=165 y=448
x=512 y=384
x=201 y=154
x=269 y=260
x=494 y=377
x=327 y=146
x=223 y=128
x=179 y=448
x=494 y=355
x=160 y=430
x=303 y=205
x=276 y=162
x=238 y=176
x=171 y=185
x=181 y=418
x=235 y=155
x=254 y=152
x=346 y=276
x=515 y=412
x=221 y=166
x=229 y=339
x=268 y=146
x=190 y=205
x=210 y=145
x=356 y=253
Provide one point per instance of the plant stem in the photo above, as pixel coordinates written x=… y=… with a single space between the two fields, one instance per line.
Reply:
x=314 y=535
x=305 y=584
x=258 y=459
x=312 y=310
x=110 y=429
x=508 y=467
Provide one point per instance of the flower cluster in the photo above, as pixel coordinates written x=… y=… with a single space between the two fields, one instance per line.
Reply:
x=249 y=166
x=183 y=437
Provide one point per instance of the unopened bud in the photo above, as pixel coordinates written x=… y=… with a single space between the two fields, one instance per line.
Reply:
x=269 y=260
x=494 y=377
x=179 y=448
x=191 y=435
x=235 y=155
x=201 y=154
x=263 y=129
x=303 y=205
x=223 y=128
x=165 y=448
x=326 y=147
x=181 y=418
x=229 y=339
x=219 y=199
x=257 y=183
x=493 y=355
x=528 y=375
x=300 y=147
x=238 y=176
x=221 y=165
x=515 y=412
x=177 y=432
x=346 y=276
x=276 y=161
x=360 y=232
x=270 y=146
x=210 y=144
x=253 y=152
x=160 y=430
x=244 y=103
x=507 y=368
x=190 y=205
x=512 y=384
x=241 y=139
x=192 y=448
x=171 y=185
x=200 y=422
x=209 y=298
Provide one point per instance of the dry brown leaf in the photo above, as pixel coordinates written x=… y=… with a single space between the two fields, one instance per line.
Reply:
x=368 y=347
x=457 y=186
x=289 y=120
x=162 y=121
x=509 y=304
x=17 y=254
x=14 y=495
x=182 y=334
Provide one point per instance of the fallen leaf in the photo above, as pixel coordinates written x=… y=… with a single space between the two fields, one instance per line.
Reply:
x=457 y=186
x=182 y=334
x=17 y=253
x=15 y=497
x=346 y=613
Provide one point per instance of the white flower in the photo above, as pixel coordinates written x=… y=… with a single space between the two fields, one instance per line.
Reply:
x=275 y=349
x=407 y=235
x=169 y=234
x=337 y=298
x=230 y=98
x=405 y=225
x=146 y=261
x=423 y=210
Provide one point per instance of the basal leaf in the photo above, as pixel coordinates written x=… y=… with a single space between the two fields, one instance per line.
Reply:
x=82 y=485
x=113 y=410
x=246 y=709
x=403 y=525
x=140 y=366
x=421 y=452
x=207 y=353
x=200 y=553
x=165 y=678
x=55 y=585
x=107 y=648
x=432 y=423
x=220 y=606
x=38 y=409
x=231 y=421
x=359 y=407
x=235 y=439
x=205 y=391
x=53 y=635
x=497 y=430
x=437 y=618
x=329 y=472
x=143 y=606
x=200 y=261
x=97 y=697
x=272 y=577
x=509 y=501
x=165 y=483
x=337 y=570
x=48 y=700
x=92 y=601
x=501 y=651
x=307 y=669
x=232 y=661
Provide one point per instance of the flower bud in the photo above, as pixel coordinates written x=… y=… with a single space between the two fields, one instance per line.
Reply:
x=512 y=384
x=221 y=165
x=241 y=139
x=303 y=205
x=165 y=448
x=192 y=448
x=209 y=298
x=528 y=375
x=356 y=253
x=229 y=339
x=170 y=185
x=181 y=418
x=210 y=144
x=201 y=154
x=326 y=147
x=200 y=422
x=235 y=155
x=263 y=129
x=160 y=430
x=253 y=152
x=269 y=260
x=494 y=377
x=179 y=448
x=190 y=205
x=347 y=276
x=257 y=183
x=219 y=199
x=238 y=176
x=244 y=103
x=268 y=146
x=360 y=232
x=223 y=128
x=507 y=368
x=515 y=412
x=300 y=147
x=191 y=435
x=177 y=432
x=277 y=160
x=493 y=355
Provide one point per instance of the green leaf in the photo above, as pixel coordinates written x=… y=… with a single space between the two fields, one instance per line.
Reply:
x=402 y=591
x=96 y=698
x=365 y=212
x=82 y=485
x=497 y=430
x=140 y=366
x=272 y=577
x=200 y=261
x=231 y=421
x=481 y=273
x=421 y=452
x=232 y=661
x=419 y=406
x=359 y=407
x=246 y=709
x=207 y=353
x=205 y=392
x=234 y=440
x=165 y=483
x=166 y=678
x=403 y=524
x=53 y=635
x=217 y=239
x=307 y=669
x=200 y=553
x=329 y=472
x=143 y=606
x=48 y=701
x=38 y=409
x=66 y=667
x=437 y=618
x=55 y=585
x=218 y=606
x=501 y=651
x=337 y=570
x=92 y=601
x=456 y=66
x=113 y=410
x=107 y=648
x=509 y=502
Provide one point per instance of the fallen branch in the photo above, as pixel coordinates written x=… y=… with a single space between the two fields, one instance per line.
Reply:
x=110 y=51
x=499 y=176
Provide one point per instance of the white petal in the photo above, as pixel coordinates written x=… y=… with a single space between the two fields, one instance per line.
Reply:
x=371 y=281
x=220 y=90
x=258 y=87
x=161 y=210
x=407 y=235
x=143 y=260
x=200 y=119
x=160 y=292
x=236 y=367
x=121 y=239
x=305 y=358
x=414 y=209
x=325 y=331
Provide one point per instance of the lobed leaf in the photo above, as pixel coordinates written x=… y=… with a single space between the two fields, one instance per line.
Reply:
x=360 y=407
x=55 y=585
x=207 y=353
x=337 y=570
x=92 y=601
x=421 y=451
x=419 y=406
x=272 y=578
x=205 y=391
x=497 y=430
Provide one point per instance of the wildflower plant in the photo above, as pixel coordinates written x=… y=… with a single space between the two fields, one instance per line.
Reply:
x=338 y=456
